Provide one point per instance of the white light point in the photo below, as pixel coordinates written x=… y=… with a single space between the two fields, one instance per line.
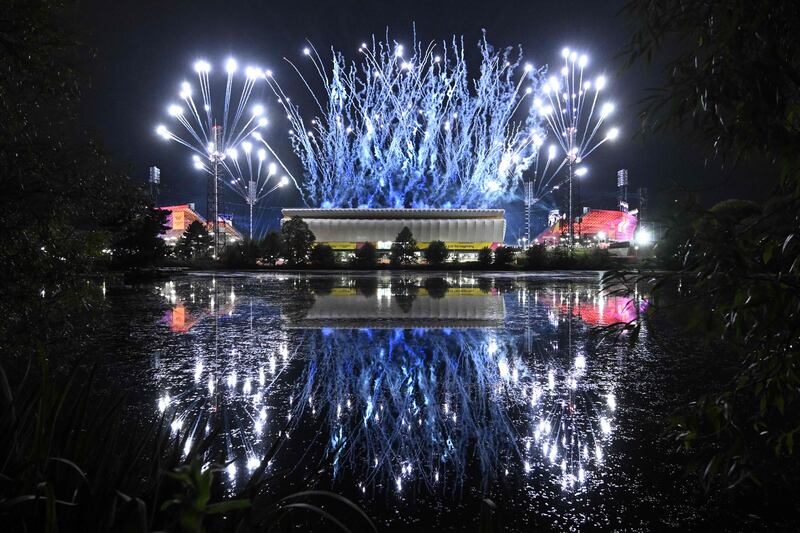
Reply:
x=605 y=425
x=606 y=110
x=258 y=110
x=580 y=172
x=583 y=61
x=528 y=67
x=307 y=51
x=262 y=154
x=611 y=401
x=551 y=152
x=273 y=168
x=565 y=53
x=201 y=66
x=612 y=134
x=600 y=83
x=162 y=131
x=231 y=66
x=284 y=182
x=247 y=147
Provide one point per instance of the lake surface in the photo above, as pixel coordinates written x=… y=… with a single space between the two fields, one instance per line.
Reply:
x=416 y=395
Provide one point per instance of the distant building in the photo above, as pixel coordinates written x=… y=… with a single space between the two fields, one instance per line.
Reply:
x=465 y=231
x=179 y=217
x=602 y=225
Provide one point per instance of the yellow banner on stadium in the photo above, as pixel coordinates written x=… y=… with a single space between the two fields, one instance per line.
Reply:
x=452 y=246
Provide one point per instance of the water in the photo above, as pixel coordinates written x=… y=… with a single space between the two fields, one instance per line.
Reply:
x=417 y=396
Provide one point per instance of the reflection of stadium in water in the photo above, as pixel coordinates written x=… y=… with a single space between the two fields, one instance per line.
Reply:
x=414 y=380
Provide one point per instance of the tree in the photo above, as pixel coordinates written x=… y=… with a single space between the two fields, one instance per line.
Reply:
x=140 y=242
x=272 y=247
x=436 y=253
x=322 y=255
x=504 y=256
x=485 y=256
x=366 y=256
x=195 y=243
x=241 y=254
x=298 y=240
x=404 y=248
x=732 y=80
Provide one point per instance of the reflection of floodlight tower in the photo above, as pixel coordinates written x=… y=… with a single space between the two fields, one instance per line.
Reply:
x=215 y=156
x=154 y=180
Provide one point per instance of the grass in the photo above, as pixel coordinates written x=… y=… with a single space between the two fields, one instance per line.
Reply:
x=69 y=463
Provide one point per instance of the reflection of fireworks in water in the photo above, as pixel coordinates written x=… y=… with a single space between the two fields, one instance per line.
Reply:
x=404 y=406
x=422 y=404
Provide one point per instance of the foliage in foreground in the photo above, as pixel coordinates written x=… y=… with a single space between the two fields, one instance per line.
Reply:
x=69 y=463
x=734 y=79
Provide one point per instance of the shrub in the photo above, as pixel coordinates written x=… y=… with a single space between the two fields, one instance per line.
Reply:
x=485 y=256
x=536 y=257
x=436 y=253
x=323 y=256
x=272 y=247
x=366 y=256
x=504 y=256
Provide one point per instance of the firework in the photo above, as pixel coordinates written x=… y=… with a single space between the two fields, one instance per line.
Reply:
x=411 y=128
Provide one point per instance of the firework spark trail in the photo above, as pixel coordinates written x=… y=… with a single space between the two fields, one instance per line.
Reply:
x=398 y=130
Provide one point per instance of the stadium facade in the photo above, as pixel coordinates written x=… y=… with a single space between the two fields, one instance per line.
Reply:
x=464 y=231
x=180 y=217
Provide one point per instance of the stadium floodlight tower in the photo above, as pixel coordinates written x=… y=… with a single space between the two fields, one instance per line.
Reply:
x=574 y=116
x=252 y=177
x=211 y=132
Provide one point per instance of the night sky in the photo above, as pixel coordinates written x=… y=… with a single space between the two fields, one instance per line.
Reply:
x=143 y=50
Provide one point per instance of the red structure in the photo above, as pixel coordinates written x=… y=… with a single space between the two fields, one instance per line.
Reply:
x=179 y=217
x=601 y=224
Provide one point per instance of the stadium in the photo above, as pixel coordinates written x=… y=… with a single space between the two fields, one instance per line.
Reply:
x=464 y=231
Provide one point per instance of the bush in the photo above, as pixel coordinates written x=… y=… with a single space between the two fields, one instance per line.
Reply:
x=536 y=257
x=323 y=256
x=504 y=256
x=272 y=247
x=366 y=256
x=485 y=256
x=436 y=253
x=597 y=259
x=242 y=254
